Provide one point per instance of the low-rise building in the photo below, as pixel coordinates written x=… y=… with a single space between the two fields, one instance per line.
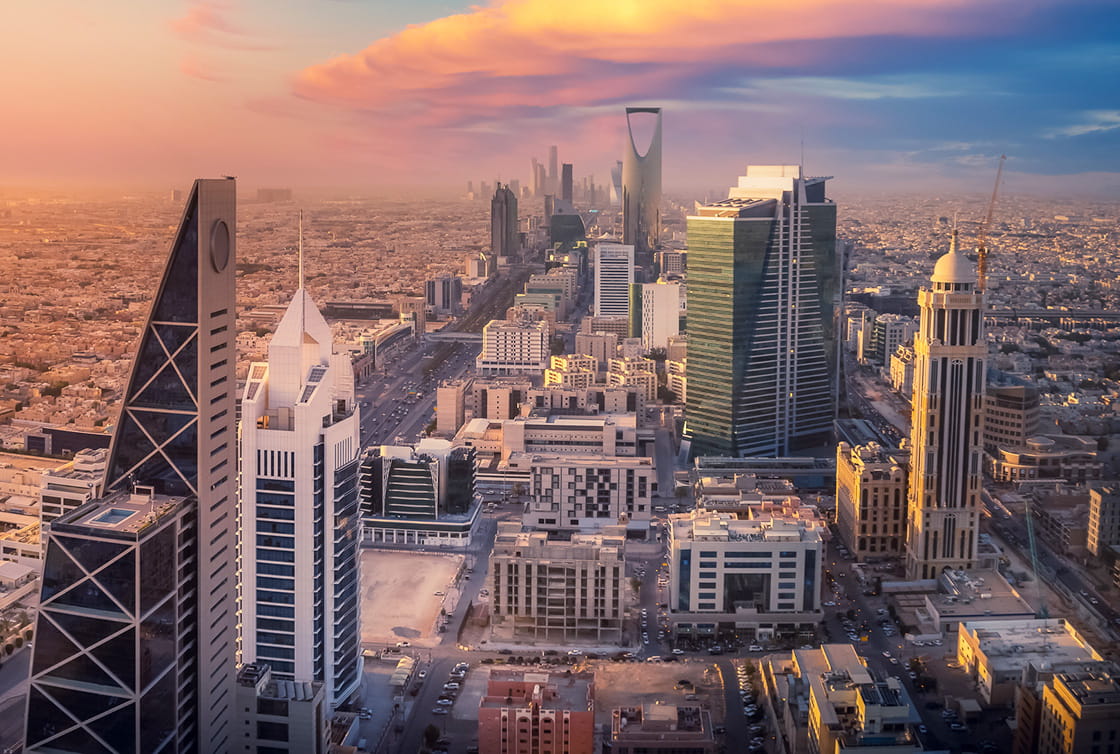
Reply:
x=668 y=728
x=979 y=594
x=634 y=372
x=571 y=371
x=546 y=590
x=277 y=716
x=77 y=482
x=756 y=574
x=586 y=492
x=871 y=484
x=537 y=713
x=1073 y=459
x=997 y=653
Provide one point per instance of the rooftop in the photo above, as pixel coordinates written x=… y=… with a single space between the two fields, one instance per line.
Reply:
x=518 y=688
x=120 y=512
x=661 y=722
x=1011 y=645
x=978 y=593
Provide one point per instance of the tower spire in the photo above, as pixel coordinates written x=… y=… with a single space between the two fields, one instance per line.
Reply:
x=953 y=240
x=300 y=250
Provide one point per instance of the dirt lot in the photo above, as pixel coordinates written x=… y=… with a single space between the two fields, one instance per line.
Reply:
x=398 y=594
x=630 y=684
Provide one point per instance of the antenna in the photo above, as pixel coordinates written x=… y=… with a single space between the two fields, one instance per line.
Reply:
x=802 y=151
x=301 y=249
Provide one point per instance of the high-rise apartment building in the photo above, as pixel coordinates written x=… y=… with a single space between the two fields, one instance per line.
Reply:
x=871 y=494
x=641 y=185
x=537 y=713
x=136 y=635
x=762 y=284
x=614 y=272
x=280 y=717
x=655 y=313
x=947 y=421
x=299 y=495
x=504 y=237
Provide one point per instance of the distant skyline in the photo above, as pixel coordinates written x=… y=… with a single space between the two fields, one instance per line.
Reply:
x=910 y=95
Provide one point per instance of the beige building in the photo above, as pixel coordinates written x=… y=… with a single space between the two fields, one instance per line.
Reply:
x=635 y=372
x=451 y=406
x=668 y=728
x=902 y=371
x=998 y=653
x=587 y=492
x=278 y=716
x=1066 y=457
x=602 y=346
x=1011 y=415
x=514 y=347
x=1080 y=713
x=947 y=422
x=1104 y=519
x=572 y=371
x=553 y=591
x=871 y=485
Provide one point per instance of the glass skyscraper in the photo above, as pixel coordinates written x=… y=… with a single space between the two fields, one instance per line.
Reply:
x=641 y=186
x=136 y=635
x=762 y=282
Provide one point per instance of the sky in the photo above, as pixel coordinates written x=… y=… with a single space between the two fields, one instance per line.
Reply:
x=893 y=95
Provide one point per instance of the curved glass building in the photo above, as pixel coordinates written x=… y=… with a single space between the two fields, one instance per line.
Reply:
x=641 y=186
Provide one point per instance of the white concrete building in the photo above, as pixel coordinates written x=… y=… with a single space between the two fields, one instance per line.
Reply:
x=614 y=272
x=758 y=576
x=588 y=492
x=660 y=314
x=514 y=347
x=300 y=518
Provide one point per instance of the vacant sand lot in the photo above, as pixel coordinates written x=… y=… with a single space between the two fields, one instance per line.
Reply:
x=629 y=684
x=398 y=593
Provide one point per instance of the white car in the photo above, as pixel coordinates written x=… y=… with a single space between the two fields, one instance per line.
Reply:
x=678 y=651
x=575 y=652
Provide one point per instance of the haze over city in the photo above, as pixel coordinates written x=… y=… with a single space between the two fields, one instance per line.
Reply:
x=892 y=96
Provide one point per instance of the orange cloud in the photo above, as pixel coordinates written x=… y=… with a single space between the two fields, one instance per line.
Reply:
x=207 y=22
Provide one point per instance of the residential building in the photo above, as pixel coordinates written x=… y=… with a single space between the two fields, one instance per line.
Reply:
x=586 y=492
x=618 y=325
x=451 y=402
x=606 y=435
x=888 y=332
x=763 y=279
x=602 y=346
x=169 y=509
x=902 y=371
x=1104 y=519
x=537 y=713
x=871 y=484
x=672 y=261
x=614 y=272
x=996 y=653
x=755 y=574
x=1079 y=713
x=947 y=423
x=556 y=591
x=668 y=728
x=572 y=371
x=514 y=347
x=300 y=519
x=276 y=716
x=641 y=185
x=676 y=379
x=637 y=373
x=1037 y=676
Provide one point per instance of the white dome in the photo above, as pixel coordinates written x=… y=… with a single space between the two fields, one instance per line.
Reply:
x=954 y=267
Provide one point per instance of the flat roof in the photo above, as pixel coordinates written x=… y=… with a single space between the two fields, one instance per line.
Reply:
x=120 y=512
x=1011 y=645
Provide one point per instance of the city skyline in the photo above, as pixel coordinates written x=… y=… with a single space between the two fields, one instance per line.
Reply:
x=368 y=96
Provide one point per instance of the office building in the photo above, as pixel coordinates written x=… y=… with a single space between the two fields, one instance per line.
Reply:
x=676 y=379
x=655 y=313
x=672 y=261
x=451 y=406
x=641 y=186
x=668 y=728
x=163 y=530
x=72 y=485
x=871 y=488
x=1104 y=519
x=553 y=174
x=756 y=575
x=1036 y=677
x=615 y=190
x=514 y=346
x=947 y=421
x=1011 y=413
x=422 y=482
x=588 y=492
x=1079 y=713
x=763 y=279
x=444 y=295
x=537 y=713
x=566 y=182
x=504 y=237
x=614 y=272
x=1066 y=458
x=277 y=716
x=555 y=591
x=888 y=332
x=902 y=371
x=300 y=438
x=997 y=653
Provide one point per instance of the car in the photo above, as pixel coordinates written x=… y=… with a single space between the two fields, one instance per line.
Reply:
x=575 y=652
x=678 y=651
x=403 y=645
x=505 y=651
x=440 y=711
x=886 y=654
x=422 y=674
x=923 y=729
x=754 y=648
x=653 y=658
x=365 y=715
x=439 y=594
x=958 y=726
x=894 y=661
x=444 y=702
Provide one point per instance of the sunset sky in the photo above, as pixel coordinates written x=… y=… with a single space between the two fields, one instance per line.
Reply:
x=907 y=94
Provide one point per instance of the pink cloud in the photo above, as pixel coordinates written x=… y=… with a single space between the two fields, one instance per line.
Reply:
x=195 y=68
x=207 y=22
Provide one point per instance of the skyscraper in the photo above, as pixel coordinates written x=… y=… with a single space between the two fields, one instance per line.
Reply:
x=566 y=182
x=641 y=186
x=762 y=279
x=614 y=272
x=947 y=421
x=616 y=185
x=136 y=636
x=504 y=240
x=299 y=497
x=553 y=175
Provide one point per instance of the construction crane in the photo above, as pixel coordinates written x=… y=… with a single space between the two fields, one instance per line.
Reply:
x=1042 y=611
x=982 y=244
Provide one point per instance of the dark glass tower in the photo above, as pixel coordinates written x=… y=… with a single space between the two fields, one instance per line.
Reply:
x=139 y=599
x=504 y=241
x=762 y=283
